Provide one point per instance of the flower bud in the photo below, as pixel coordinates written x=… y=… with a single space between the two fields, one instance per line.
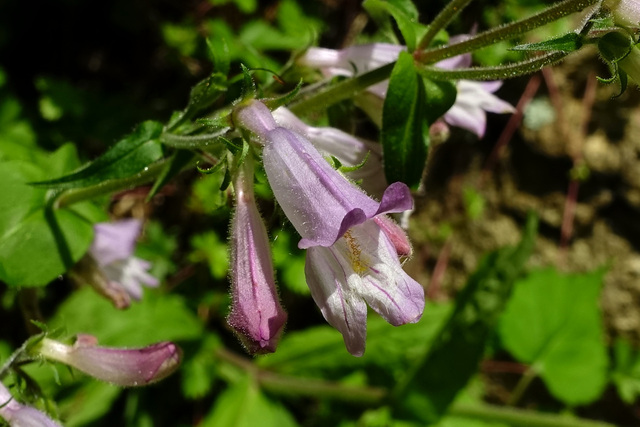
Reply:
x=119 y=366
x=256 y=314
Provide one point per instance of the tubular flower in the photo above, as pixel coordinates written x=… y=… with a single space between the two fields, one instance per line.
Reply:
x=111 y=268
x=19 y=415
x=351 y=260
x=126 y=367
x=631 y=64
x=351 y=151
x=256 y=314
x=473 y=100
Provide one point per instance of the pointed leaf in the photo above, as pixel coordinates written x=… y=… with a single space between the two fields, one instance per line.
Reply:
x=404 y=124
x=566 y=43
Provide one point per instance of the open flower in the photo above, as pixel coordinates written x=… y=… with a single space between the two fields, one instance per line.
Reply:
x=473 y=100
x=19 y=415
x=348 y=149
x=351 y=260
x=256 y=314
x=125 y=367
x=110 y=266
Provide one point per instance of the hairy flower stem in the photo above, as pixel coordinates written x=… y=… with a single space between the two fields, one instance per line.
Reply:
x=342 y=90
x=494 y=73
x=504 y=32
x=446 y=15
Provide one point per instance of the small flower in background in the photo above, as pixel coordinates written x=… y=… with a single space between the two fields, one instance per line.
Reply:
x=256 y=314
x=473 y=100
x=19 y=415
x=126 y=367
x=351 y=258
x=348 y=149
x=110 y=266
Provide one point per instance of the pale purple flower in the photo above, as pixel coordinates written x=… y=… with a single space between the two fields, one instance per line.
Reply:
x=256 y=314
x=348 y=149
x=112 y=249
x=126 y=367
x=473 y=99
x=625 y=12
x=350 y=260
x=19 y=415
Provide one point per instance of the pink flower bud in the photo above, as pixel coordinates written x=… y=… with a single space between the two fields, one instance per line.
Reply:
x=256 y=314
x=120 y=366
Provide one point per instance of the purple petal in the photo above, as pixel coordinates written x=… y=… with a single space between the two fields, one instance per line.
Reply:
x=362 y=266
x=114 y=240
x=19 y=415
x=320 y=203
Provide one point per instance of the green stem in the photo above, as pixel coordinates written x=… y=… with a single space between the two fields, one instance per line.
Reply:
x=75 y=195
x=522 y=386
x=518 y=417
x=494 y=73
x=187 y=142
x=342 y=90
x=441 y=21
x=294 y=386
x=504 y=32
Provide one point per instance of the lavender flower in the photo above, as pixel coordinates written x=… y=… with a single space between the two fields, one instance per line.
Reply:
x=19 y=415
x=473 y=100
x=350 y=260
x=256 y=314
x=348 y=149
x=111 y=268
x=119 y=366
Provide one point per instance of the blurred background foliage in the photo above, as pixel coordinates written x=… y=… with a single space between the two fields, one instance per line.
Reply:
x=503 y=328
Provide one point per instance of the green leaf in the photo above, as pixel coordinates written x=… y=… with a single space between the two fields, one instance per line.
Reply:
x=439 y=98
x=566 y=43
x=209 y=248
x=244 y=405
x=453 y=357
x=38 y=244
x=405 y=14
x=405 y=129
x=88 y=403
x=198 y=373
x=157 y=317
x=135 y=150
x=219 y=53
x=553 y=323
x=626 y=370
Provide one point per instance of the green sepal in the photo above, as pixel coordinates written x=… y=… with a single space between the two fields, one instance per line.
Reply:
x=615 y=46
x=273 y=103
x=249 y=90
x=566 y=43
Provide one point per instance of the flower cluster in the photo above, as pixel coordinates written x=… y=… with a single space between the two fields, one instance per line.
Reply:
x=353 y=248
